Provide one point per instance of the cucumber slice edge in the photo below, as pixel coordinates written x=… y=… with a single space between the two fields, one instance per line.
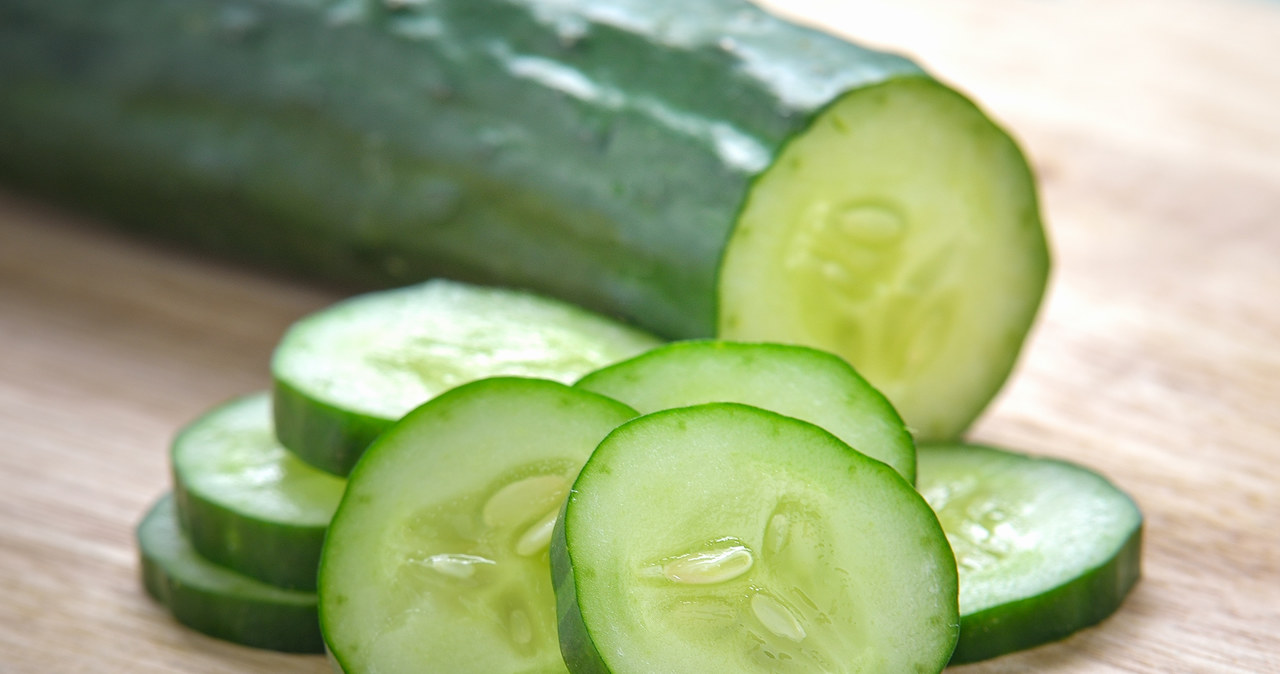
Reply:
x=216 y=601
x=1050 y=608
x=794 y=380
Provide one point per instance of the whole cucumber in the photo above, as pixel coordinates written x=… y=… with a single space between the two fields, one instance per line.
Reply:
x=698 y=167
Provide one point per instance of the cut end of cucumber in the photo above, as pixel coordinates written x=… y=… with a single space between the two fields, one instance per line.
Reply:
x=902 y=232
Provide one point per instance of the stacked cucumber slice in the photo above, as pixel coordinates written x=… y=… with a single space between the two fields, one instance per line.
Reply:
x=216 y=600
x=805 y=383
x=343 y=375
x=234 y=550
x=537 y=489
x=245 y=501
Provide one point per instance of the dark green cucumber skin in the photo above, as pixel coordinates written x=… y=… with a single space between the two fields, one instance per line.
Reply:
x=282 y=555
x=1054 y=615
x=380 y=143
x=328 y=437
x=289 y=628
x=576 y=647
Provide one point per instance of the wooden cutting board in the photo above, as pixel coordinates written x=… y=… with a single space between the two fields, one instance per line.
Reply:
x=1155 y=126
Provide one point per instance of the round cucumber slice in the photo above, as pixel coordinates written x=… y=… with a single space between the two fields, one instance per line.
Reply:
x=248 y=503
x=217 y=601
x=345 y=373
x=800 y=382
x=437 y=558
x=725 y=538
x=1045 y=547
x=910 y=247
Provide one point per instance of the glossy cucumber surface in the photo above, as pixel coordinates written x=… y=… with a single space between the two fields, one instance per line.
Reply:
x=701 y=169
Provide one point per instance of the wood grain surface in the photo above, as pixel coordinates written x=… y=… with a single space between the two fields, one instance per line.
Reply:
x=1155 y=126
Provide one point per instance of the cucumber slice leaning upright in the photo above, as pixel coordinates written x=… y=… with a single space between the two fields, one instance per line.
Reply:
x=1045 y=547
x=343 y=374
x=437 y=558
x=799 y=382
x=723 y=538
x=248 y=503
x=902 y=232
x=218 y=601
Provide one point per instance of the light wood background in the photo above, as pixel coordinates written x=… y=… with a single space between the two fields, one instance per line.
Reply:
x=1155 y=126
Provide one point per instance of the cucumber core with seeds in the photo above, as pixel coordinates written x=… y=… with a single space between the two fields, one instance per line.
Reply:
x=725 y=538
x=911 y=247
x=437 y=558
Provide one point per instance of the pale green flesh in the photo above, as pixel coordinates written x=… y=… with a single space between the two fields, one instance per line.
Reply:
x=230 y=457
x=437 y=559
x=796 y=381
x=1021 y=526
x=722 y=538
x=901 y=231
x=384 y=353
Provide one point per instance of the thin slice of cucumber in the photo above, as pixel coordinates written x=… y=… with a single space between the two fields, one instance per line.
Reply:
x=248 y=503
x=800 y=382
x=437 y=558
x=343 y=374
x=725 y=538
x=901 y=232
x=217 y=601
x=1045 y=547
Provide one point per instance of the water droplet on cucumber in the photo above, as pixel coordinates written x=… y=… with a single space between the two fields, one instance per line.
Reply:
x=455 y=565
x=706 y=567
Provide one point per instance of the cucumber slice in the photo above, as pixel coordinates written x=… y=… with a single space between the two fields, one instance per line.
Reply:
x=1045 y=547
x=248 y=503
x=901 y=232
x=800 y=382
x=218 y=601
x=345 y=373
x=725 y=538
x=437 y=558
